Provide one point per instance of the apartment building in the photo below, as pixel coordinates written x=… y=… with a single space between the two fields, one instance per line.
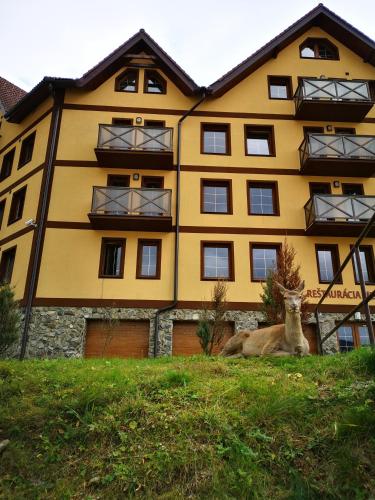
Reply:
x=126 y=193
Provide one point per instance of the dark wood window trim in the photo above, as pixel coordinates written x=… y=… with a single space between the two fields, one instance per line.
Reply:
x=254 y=245
x=326 y=187
x=355 y=333
x=105 y=241
x=259 y=129
x=334 y=249
x=150 y=73
x=118 y=180
x=315 y=41
x=25 y=154
x=147 y=178
x=17 y=205
x=141 y=244
x=312 y=130
x=7 y=164
x=122 y=76
x=2 y=211
x=126 y=122
x=216 y=127
x=8 y=253
x=222 y=183
x=370 y=262
x=275 y=196
x=357 y=185
x=277 y=79
x=219 y=244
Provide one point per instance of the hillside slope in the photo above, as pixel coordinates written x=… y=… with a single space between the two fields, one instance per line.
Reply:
x=189 y=428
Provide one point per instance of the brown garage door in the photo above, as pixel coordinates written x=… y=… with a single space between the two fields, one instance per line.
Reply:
x=124 y=339
x=309 y=331
x=186 y=342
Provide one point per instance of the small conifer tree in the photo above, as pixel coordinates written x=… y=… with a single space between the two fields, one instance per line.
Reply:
x=9 y=318
x=287 y=273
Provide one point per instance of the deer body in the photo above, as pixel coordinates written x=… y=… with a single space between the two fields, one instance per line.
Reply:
x=277 y=340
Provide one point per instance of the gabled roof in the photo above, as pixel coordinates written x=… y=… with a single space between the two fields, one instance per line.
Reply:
x=140 y=42
x=10 y=94
x=320 y=16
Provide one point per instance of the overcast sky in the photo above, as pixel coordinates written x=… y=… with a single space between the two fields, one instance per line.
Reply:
x=206 y=37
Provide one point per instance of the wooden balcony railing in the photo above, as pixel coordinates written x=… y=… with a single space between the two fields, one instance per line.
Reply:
x=147 y=147
x=340 y=100
x=346 y=155
x=131 y=208
x=328 y=214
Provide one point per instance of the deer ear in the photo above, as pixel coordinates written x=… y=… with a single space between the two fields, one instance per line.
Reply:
x=280 y=287
x=300 y=287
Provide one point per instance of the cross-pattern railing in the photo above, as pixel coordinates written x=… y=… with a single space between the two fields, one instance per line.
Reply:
x=337 y=146
x=339 y=208
x=135 y=138
x=332 y=90
x=131 y=201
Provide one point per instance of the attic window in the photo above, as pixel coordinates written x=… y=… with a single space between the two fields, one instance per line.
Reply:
x=127 y=82
x=154 y=83
x=318 y=48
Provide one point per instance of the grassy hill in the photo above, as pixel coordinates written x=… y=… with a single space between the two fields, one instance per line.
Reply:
x=189 y=428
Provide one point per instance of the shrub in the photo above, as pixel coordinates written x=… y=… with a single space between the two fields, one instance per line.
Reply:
x=211 y=325
x=9 y=318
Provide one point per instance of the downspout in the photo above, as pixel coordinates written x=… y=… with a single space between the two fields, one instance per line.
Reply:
x=177 y=236
x=40 y=228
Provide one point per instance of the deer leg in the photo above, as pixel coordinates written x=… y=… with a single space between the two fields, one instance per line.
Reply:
x=281 y=353
x=238 y=355
x=269 y=348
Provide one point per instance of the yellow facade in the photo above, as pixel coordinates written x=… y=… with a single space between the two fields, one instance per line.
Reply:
x=71 y=249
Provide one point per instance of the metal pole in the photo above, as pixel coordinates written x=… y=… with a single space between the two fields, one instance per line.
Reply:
x=318 y=332
x=364 y=295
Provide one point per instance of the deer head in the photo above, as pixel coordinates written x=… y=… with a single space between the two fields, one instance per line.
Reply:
x=292 y=298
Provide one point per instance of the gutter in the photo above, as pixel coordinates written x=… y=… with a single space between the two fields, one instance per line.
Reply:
x=177 y=237
x=40 y=227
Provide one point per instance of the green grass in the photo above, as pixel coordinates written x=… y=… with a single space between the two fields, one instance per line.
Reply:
x=189 y=428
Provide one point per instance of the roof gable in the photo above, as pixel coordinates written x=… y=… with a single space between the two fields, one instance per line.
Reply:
x=320 y=16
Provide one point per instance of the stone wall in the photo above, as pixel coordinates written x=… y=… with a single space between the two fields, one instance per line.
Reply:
x=60 y=331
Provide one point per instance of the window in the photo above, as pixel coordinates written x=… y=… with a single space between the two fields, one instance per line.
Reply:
x=259 y=140
x=352 y=189
x=215 y=138
x=262 y=198
x=366 y=255
x=118 y=180
x=263 y=259
x=344 y=131
x=312 y=130
x=16 y=207
x=351 y=336
x=152 y=182
x=148 y=259
x=26 y=150
x=155 y=123
x=154 y=83
x=216 y=196
x=7 y=264
x=6 y=167
x=125 y=122
x=217 y=260
x=328 y=262
x=319 y=188
x=127 y=81
x=279 y=87
x=2 y=210
x=318 y=48
x=112 y=258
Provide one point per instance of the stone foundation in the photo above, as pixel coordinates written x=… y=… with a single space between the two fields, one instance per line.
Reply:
x=61 y=331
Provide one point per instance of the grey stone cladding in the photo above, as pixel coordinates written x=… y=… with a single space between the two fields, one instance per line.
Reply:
x=61 y=331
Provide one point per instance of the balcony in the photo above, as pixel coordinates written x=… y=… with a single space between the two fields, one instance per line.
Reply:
x=337 y=100
x=135 y=147
x=343 y=155
x=131 y=209
x=338 y=215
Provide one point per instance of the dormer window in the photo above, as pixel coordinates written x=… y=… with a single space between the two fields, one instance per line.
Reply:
x=128 y=81
x=154 y=83
x=318 y=48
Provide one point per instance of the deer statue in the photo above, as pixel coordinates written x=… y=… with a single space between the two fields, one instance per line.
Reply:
x=277 y=340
